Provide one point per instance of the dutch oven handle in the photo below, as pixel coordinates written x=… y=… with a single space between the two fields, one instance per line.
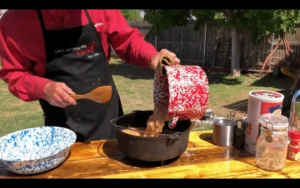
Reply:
x=173 y=137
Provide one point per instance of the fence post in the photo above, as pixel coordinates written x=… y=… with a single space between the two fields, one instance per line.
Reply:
x=272 y=45
x=204 y=45
x=155 y=39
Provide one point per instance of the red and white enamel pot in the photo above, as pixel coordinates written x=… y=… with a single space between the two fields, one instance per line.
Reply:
x=184 y=89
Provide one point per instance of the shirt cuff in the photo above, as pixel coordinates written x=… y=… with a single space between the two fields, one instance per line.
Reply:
x=39 y=87
x=148 y=55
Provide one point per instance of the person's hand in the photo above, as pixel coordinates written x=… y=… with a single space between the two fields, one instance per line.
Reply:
x=156 y=58
x=58 y=94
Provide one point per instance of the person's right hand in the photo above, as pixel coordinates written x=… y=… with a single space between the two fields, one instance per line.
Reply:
x=58 y=94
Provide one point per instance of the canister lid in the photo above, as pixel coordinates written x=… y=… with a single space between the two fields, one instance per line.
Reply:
x=265 y=95
x=294 y=134
x=278 y=123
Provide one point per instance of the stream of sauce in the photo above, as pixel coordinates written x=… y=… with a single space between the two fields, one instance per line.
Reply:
x=155 y=124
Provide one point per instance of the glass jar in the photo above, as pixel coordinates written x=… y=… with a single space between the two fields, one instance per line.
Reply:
x=272 y=143
x=295 y=112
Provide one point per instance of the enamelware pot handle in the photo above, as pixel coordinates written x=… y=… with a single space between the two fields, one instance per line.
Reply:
x=165 y=60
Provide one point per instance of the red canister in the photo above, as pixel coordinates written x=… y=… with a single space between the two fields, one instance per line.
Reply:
x=294 y=145
x=184 y=89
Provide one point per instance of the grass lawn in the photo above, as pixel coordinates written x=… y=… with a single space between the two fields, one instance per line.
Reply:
x=135 y=88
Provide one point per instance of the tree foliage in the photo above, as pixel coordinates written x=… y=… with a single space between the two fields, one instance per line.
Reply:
x=132 y=14
x=260 y=23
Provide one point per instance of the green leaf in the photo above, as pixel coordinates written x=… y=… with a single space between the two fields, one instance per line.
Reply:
x=259 y=23
x=132 y=14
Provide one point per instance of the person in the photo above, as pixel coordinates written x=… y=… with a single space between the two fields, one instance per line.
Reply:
x=47 y=55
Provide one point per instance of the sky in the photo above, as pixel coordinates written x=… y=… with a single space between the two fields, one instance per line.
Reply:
x=142 y=14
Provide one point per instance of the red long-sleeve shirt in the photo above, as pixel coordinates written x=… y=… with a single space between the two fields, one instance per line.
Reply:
x=21 y=42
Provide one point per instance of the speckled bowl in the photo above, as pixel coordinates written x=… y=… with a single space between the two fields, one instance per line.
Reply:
x=36 y=150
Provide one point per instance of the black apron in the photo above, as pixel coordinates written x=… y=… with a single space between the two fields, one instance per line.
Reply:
x=75 y=56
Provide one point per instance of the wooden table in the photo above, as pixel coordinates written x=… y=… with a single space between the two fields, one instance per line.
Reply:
x=202 y=159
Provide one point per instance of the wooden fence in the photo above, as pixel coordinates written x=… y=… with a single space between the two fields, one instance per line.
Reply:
x=210 y=45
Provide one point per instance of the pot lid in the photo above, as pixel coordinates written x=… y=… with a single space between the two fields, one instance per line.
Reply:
x=222 y=121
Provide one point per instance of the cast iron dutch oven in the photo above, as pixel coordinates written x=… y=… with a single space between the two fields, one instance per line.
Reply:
x=169 y=145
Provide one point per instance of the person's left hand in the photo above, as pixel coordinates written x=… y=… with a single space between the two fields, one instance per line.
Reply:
x=156 y=58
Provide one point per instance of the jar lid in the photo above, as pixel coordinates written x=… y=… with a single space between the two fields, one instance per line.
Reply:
x=244 y=119
x=294 y=134
x=278 y=123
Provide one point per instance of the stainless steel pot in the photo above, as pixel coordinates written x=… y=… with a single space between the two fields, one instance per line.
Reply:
x=224 y=131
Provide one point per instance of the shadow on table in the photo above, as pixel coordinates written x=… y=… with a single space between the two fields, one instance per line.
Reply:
x=110 y=149
x=247 y=158
x=208 y=137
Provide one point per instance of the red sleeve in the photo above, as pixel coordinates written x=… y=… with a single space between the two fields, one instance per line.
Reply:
x=21 y=82
x=128 y=42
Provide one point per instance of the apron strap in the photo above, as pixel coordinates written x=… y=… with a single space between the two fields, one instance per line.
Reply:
x=41 y=19
x=88 y=16
x=94 y=28
x=39 y=12
x=90 y=20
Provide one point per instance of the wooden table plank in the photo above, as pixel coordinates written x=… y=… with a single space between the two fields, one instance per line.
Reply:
x=202 y=159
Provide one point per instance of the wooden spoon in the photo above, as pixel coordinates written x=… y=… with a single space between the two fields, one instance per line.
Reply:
x=101 y=94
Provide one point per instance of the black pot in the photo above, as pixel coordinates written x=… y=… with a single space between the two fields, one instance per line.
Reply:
x=168 y=145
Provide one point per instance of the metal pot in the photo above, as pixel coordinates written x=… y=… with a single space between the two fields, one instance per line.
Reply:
x=224 y=131
x=184 y=88
x=240 y=132
x=168 y=145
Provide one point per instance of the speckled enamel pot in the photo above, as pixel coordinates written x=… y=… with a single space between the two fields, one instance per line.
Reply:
x=36 y=150
x=185 y=89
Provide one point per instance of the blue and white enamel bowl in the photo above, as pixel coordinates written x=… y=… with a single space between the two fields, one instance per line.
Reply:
x=36 y=150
